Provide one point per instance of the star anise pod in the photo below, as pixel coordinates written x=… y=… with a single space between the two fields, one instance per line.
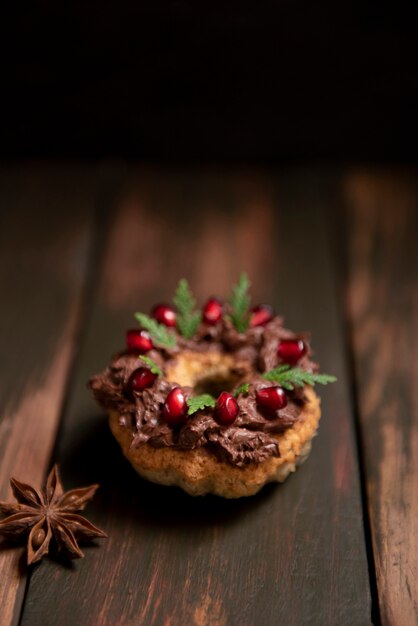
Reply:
x=50 y=514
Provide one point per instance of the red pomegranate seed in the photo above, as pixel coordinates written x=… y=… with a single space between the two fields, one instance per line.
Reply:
x=291 y=350
x=164 y=314
x=261 y=314
x=271 y=398
x=226 y=409
x=175 y=407
x=140 y=379
x=212 y=311
x=138 y=340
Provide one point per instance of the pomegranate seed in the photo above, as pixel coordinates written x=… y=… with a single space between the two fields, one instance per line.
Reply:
x=140 y=379
x=226 y=409
x=139 y=340
x=175 y=407
x=271 y=398
x=291 y=350
x=261 y=314
x=212 y=311
x=164 y=314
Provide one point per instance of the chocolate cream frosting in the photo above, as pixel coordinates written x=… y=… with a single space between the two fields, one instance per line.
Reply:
x=250 y=439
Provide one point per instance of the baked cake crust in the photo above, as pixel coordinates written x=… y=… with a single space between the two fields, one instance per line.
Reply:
x=199 y=472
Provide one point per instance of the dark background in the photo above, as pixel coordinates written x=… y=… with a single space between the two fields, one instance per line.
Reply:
x=206 y=81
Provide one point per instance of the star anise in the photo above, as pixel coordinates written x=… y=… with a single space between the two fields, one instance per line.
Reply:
x=47 y=515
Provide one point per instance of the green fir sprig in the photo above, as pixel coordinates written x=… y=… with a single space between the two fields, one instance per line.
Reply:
x=197 y=403
x=240 y=302
x=158 y=332
x=187 y=319
x=244 y=388
x=291 y=377
x=151 y=365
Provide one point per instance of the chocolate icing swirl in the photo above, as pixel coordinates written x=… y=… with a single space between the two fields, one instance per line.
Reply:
x=250 y=439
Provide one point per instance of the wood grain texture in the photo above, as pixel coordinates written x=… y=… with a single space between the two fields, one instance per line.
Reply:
x=45 y=229
x=293 y=554
x=382 y=301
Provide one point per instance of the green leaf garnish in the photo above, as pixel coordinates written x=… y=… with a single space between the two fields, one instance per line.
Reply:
x=244 y=388
x=187 y=320
x=291 y=377
x=197 y=403
x=158 y=332
x=152 y=365
x=240 y=302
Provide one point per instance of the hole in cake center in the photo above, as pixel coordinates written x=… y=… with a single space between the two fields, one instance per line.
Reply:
x=208 y=372
x=215 y=384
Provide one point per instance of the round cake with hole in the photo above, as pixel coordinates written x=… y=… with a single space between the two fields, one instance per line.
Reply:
x=214 y=400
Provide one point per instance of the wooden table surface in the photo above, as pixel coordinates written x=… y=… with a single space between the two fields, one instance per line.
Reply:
x=335 y=251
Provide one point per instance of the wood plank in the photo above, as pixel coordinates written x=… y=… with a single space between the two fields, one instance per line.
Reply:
x=293 y=554
x=45 y=235
x=382 y=304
